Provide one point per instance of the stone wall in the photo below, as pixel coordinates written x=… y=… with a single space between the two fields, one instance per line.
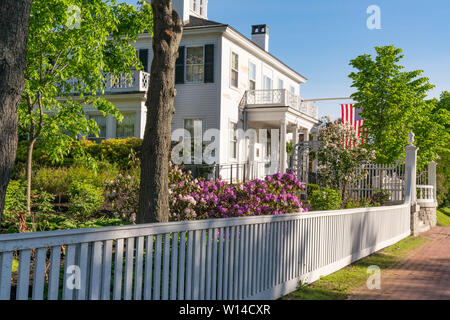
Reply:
x=423 y=217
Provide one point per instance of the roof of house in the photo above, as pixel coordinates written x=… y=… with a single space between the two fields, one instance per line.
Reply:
x=195 y=22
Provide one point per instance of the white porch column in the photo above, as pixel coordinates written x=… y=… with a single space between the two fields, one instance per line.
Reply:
x=283 y=155
x=295 y=133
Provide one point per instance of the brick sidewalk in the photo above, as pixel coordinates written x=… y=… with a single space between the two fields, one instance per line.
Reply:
x=423 y=274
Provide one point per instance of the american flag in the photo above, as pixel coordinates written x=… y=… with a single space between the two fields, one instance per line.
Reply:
x=351 y=116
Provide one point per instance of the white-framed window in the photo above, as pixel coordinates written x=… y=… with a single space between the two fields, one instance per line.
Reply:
x=234 y=70
x=268 y=86
x=198 y=6
x=192 y=125
x=292 y=90
x=252 y=76
x=280 y=84
x=101 y=123
x=233 y=140
x=195 y=64
x=125 y=129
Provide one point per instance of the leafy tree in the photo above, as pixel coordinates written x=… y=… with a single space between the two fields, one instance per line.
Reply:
x=74 y=45
x=14 y=19
x=338 y=164
x=442 y=111
x=154 y=190
x=393 y=103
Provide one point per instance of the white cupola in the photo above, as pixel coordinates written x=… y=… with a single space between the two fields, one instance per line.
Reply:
x=187 y=8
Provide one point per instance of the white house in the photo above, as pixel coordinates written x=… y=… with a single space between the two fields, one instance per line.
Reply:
x=224 y=81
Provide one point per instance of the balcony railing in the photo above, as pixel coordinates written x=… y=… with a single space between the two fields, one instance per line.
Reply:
x=137 y=82
x=279 y=97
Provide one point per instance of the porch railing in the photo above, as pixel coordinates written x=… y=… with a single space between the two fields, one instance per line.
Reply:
x=279 y=97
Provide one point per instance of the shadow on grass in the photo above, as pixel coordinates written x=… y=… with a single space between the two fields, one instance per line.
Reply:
x=339 y=285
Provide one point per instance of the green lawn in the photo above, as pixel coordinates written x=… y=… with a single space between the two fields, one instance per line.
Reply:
x=339 y=285
x=443 y=217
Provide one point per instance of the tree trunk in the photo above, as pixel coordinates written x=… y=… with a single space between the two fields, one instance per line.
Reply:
x=154 y=191
x=14 y=20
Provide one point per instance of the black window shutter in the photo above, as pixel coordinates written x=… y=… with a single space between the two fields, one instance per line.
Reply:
x=143 y=56
x=209 y=63
x=179 y=67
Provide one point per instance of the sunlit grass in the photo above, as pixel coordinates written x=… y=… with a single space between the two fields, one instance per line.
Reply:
x=339 y=285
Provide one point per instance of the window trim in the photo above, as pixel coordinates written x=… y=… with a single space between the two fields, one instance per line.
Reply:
x=250 y=74
x=135 y=113
x=235 y=70
x=233 y=138
x=186 y=65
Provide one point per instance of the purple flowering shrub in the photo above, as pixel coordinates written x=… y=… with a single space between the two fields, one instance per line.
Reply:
x=193 y=199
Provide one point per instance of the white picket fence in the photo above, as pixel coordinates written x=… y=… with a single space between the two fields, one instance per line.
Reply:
x=261 y=257
x=241 y=258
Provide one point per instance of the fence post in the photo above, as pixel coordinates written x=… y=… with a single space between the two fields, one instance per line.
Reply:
x=411 y=170
x=432 y=178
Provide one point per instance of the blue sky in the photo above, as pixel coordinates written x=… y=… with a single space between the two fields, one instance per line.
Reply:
x=318 y=38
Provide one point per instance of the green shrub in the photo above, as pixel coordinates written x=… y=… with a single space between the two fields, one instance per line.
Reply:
x=16 y=200
x=58 y=181
x=85 y=199
x=380 y=197
x=45 y=202
x=325 y=199
x=310 y=188
x=118 y=151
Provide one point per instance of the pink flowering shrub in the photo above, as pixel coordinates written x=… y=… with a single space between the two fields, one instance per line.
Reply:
x=193 y=199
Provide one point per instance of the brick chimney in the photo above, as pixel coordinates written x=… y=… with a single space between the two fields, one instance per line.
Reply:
x=260 y=36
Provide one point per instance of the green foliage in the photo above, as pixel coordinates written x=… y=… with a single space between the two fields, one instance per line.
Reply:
x=64 y=59
x=45 y=202
x=380 y=197
x=59 y=180
x=52 y=222
x=123 y=194
x=443 y=164
x=85 y=199
x=325 y=199
x=393 y=103
x=443 y=217
x=16 y=200
x=311 y=188
x=118 y=151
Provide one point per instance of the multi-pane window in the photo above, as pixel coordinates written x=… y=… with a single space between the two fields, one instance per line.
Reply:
x=195 y=58
x=198 y=6
x=233 y=140
x=125 y=129
x=234 y=70
x=280 y=84
x=193 y=125
x=252 y=76
x=101 y=123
